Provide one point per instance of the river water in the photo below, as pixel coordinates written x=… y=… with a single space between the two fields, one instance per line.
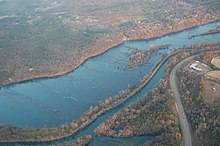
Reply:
x=54 y=101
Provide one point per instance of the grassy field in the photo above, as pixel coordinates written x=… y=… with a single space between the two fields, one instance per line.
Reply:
x=216 y=62
x=208 y=90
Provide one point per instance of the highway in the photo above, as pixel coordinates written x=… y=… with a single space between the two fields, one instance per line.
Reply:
x=182 y=116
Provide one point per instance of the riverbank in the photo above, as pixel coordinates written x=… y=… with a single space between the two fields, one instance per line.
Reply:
x=181 y=26
x=82 y=141
x=210 y=32
x=139 y=57
x=51 y=134
x=154 y=108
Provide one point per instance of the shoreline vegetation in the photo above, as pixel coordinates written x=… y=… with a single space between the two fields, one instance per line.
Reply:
x=16 y=134
x=82 y=141
x=138 y=57
x=181 y=26
x=210 y=32
x=154 y=113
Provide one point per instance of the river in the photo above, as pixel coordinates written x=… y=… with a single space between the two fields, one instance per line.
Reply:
x=54 y=101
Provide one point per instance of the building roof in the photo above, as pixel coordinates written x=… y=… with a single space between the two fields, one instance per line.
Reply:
x=195 y=67
x=199 y=66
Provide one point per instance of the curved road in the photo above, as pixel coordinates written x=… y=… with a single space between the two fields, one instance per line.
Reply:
x=182 y=116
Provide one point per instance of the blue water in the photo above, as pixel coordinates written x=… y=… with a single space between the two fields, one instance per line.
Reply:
x=108 y=141
x=54 y=101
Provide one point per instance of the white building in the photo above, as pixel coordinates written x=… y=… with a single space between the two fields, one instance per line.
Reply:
x=195 y=66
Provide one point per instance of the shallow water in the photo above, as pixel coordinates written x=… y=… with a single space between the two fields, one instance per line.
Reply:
x=54 y=101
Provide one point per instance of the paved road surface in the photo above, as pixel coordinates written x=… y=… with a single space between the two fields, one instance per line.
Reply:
x=182 y=116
